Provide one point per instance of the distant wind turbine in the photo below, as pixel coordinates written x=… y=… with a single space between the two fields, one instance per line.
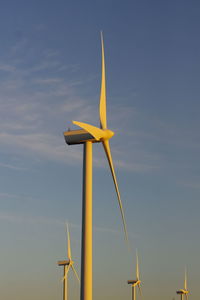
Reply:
x=67 y=264
x=136 y=282
x=88 y=135
x=184 y=291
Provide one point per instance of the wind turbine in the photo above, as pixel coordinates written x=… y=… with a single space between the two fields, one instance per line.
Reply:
x=88 y=135
x=67 y=264
x=185 y=290
x=136 y=282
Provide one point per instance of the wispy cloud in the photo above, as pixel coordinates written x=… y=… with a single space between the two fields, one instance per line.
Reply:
x=13 y=167
x=20 y=45
x=191 y=184
x=14 y=196
x=18 y=219
x=137 y=167
x=48 y=80
x=46 y=65
x=45 y=145
x=7 y=67
x=14 y=218
x=35 y=106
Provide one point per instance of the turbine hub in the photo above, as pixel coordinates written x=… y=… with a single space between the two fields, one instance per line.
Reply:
x=108 y=134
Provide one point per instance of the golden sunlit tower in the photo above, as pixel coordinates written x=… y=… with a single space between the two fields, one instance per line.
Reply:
x=184 y=291
x=136 y=282
x=88 y=135
x=67 y=264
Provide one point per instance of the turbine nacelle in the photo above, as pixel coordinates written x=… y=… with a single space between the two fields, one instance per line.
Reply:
x=63 y=262
x=87 y=133
x=134 y=282
x=184 y=291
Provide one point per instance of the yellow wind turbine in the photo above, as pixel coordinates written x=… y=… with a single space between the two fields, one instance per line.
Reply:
x=88 y=135
x=67 y=264
x=184 y=291
x=136 y=282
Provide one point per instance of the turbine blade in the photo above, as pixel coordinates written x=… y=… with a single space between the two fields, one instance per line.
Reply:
x=102 y=103
x=140 y=290
x=68 y=243
x=96 y=132
x=66 y=272
x=137 y=267
x=185 y=281
x=106 y=146
x=75 y=273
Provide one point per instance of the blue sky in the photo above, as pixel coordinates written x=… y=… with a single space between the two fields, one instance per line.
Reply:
x=50 y=71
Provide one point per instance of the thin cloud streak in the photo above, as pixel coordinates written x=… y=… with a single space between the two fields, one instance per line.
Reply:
x=7 y=67
x=17 y=219
x=45 y=145
x=48 y=80
x=13 y=167
x=191 y=184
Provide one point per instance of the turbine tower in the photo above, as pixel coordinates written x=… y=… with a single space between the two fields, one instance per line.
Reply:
x=184 y=291
x=67 y=264
x=88 y=135
x=136 y=282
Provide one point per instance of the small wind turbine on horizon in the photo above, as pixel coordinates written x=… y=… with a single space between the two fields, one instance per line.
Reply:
x=184 y=291
x=67 y=264
x=88 y=135
x=136 y=282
